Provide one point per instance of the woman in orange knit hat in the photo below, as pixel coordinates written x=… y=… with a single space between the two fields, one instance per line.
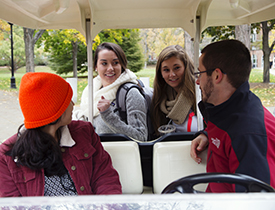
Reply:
x=51 y=155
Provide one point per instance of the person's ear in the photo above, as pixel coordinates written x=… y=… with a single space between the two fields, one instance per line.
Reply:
x=218 y=75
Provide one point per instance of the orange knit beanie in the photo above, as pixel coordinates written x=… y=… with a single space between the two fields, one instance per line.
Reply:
x=43 y=98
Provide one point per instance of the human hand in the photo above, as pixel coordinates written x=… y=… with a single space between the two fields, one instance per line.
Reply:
x=103 y=104
x=198 y=145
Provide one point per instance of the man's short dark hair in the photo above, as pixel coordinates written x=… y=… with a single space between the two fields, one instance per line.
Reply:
x=232 y=57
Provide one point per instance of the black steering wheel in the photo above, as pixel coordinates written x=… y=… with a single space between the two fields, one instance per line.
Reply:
x=186 y=184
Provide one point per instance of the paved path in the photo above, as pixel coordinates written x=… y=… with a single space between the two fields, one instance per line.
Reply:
x=10 y=114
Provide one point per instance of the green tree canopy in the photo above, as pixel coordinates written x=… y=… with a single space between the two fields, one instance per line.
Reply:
x=128 y=39
x=60 y=45
x=133 y=50
x=4 y=28
x=220 y=32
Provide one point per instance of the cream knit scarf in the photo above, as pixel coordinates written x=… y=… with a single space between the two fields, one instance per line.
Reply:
x=109 y=92
x=176 y=107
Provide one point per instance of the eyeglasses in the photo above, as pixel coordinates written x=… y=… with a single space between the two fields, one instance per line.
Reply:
x=198 y=74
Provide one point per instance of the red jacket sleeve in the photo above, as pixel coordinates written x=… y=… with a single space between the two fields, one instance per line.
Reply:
x=103 y=178
x=7 y=185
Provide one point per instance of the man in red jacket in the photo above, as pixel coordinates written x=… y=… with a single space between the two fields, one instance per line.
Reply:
x=240 y=132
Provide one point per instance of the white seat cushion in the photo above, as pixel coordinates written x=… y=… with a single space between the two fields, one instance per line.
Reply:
x=172 y=160
x=126 y=160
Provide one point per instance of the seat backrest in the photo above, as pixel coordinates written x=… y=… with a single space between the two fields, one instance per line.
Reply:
x=171 y=161
x=126 y=160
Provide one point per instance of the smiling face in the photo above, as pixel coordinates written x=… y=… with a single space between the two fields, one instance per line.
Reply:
x=172 y=71
x=108 y=67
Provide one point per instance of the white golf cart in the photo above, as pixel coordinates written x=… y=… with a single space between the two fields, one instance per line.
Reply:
x=168 y=157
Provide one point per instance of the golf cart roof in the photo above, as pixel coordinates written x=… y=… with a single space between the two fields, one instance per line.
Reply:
x=118 y=14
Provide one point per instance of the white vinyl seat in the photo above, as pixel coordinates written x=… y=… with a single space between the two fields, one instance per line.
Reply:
x=126 y=160
x=171 y=161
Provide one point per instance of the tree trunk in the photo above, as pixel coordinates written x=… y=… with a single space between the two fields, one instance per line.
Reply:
x=266 y=52
x=188 y=45
x=30 y=41
x=29 y=51
x=75 y=47
x=242 y=33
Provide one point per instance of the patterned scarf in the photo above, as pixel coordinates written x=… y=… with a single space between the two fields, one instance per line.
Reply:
x=176 y=106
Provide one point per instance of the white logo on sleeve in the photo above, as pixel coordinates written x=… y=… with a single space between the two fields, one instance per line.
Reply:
x=216 y=142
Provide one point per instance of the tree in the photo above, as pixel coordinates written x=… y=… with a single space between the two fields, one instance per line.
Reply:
x=31 y=36
x=242 y=33
x=21 y=57
x=219 y=32
x=18 y=46
x=226 y=32
x=128 y=39
x=154 y=40
x=133 y=51
x=4 y=27
x=267 y=48
x=113 y=35
x=189 y=45
x=67 y=49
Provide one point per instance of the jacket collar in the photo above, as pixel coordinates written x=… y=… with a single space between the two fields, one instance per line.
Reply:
x=208 y=110
x=66 y=138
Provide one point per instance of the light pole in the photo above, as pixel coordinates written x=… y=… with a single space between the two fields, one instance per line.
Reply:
x=13 y=84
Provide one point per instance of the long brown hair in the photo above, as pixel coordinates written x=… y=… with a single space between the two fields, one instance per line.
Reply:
x=160 y=86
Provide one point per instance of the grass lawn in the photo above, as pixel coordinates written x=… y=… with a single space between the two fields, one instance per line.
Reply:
x=266 y=92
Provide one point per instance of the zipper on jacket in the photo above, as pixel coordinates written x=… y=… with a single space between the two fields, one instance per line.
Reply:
x=210 y=155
